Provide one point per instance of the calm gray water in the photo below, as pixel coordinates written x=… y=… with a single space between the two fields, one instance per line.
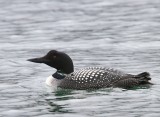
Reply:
x=122 y=34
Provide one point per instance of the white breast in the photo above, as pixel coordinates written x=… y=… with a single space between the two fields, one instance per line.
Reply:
x=52 y=82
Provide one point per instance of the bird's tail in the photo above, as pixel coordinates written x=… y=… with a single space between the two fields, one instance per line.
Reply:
x=143 y=78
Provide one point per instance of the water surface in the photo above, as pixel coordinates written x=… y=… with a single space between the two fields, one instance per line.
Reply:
x=122 y=34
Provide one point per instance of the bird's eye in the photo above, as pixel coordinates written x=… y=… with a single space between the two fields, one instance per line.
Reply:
x=54 y=57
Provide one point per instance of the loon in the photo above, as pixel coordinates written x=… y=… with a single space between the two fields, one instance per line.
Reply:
x=87 y=78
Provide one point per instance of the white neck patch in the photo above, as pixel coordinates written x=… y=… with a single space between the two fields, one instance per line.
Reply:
x=52 y=82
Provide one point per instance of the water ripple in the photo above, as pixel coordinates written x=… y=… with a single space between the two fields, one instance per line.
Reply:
x=119 y=34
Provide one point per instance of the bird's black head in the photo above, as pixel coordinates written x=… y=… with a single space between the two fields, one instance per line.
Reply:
x=57 y=60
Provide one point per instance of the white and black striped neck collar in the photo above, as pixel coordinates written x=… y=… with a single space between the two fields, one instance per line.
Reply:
x=59 y=75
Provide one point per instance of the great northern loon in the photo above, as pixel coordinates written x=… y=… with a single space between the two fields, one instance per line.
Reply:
x=87 y=78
